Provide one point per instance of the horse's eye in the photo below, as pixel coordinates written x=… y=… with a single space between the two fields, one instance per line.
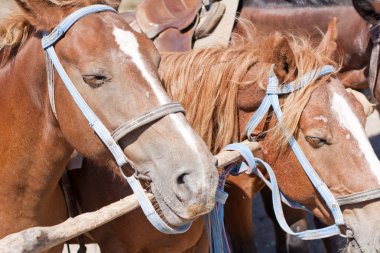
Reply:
x=316 y=142
x=95 y=81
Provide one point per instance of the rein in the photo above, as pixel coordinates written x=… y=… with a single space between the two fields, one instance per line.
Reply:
x=219 y=239
x=108 y=139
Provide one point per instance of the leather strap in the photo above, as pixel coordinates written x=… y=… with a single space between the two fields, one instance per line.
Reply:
x=222 y=32
x=50 y=79
x=359 y=197
x=374 y=63
x=61 y=29
x=148 y=117
x=71 y=205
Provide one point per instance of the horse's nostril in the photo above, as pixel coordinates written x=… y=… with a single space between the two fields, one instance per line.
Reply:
x=181 y=178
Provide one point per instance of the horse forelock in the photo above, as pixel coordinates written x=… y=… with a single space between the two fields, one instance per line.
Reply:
x=14 y=31
x=209 y=93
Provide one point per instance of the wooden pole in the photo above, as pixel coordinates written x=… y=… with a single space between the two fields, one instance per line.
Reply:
x=39 y=239
x=227 y=157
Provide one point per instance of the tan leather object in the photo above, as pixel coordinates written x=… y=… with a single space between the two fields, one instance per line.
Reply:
x=174 y=40
x=155 y=16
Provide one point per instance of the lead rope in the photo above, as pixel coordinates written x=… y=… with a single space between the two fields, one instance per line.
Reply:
x=71 y=206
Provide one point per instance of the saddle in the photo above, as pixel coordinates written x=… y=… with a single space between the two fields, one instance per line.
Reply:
x=175 y=25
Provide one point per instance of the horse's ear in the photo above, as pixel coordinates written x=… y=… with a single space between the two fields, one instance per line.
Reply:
x=46 y=14
x=284 y=59
x=328 y=45
x=366 y=9
x=42 y=14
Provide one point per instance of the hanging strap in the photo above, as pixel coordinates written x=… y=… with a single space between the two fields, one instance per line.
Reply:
x=251 y=163
x=374 y=62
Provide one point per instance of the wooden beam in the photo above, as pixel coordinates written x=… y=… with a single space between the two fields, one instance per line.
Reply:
x=39 y=239
x=227 y=157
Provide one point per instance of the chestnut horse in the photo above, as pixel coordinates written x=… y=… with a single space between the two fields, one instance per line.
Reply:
x=221 y=89
x=300 y=17
x=115 y=69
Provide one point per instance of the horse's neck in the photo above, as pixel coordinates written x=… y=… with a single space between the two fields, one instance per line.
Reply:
x=33 y=152
x=353 y=32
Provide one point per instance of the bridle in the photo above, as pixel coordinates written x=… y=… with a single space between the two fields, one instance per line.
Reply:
x=109 y=139
x=249 y=166
x=375 y=55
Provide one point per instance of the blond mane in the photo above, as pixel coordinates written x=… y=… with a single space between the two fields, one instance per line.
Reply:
x=206 y=82
x=17 y=27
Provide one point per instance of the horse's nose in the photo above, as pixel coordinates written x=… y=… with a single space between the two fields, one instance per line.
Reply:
x=188 y=185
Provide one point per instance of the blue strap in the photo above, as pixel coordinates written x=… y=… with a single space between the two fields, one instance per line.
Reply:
x=249 y=167
x=305 y=80
x=65 y=24
x=215 y=219
x=150 y=211
x=276 y=197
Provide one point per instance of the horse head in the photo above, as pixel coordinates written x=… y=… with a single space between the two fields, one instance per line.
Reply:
x=115 y=71
x=328 y=124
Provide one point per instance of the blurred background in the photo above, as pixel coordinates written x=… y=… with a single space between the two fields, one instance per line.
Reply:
x=7 y=5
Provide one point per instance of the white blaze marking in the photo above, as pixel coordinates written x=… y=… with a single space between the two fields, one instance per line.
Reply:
x=129 y=45
x=349 y=121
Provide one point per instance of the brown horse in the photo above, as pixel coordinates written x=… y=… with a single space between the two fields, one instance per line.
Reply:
x=221 y=88
x=300 y=17
x=115 y=69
